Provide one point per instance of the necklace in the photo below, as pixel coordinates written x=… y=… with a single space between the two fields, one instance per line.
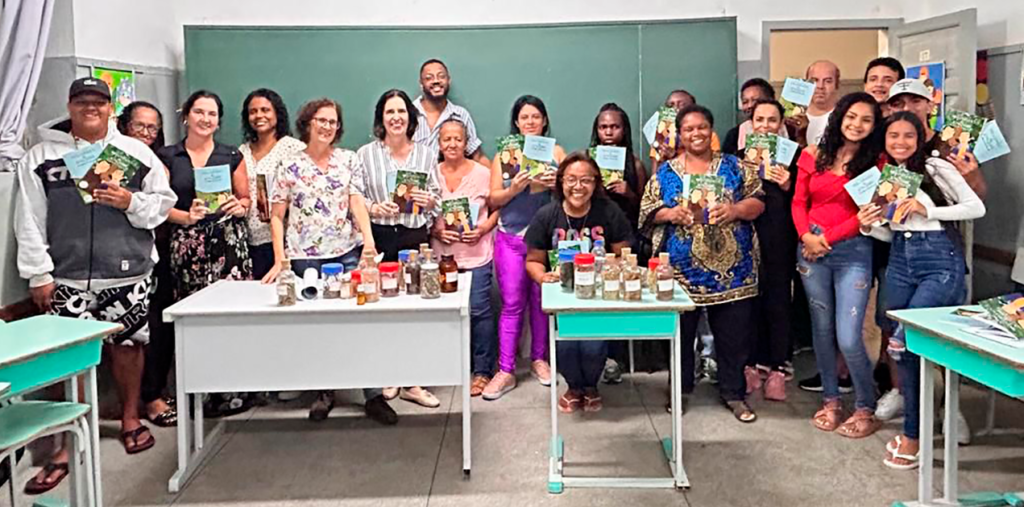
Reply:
x=583 y=219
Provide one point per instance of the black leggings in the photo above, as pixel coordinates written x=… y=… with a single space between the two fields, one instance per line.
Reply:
x=160 y=351
x=731 y=325
x=773 y=316
x=392 y=238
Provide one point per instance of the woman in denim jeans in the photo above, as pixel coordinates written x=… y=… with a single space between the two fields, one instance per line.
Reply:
x=834 y=261
x=926 y=263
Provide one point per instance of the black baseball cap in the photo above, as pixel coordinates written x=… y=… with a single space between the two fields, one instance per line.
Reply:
x=88 y=85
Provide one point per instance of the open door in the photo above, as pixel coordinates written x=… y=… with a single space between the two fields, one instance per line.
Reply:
x=953 y=39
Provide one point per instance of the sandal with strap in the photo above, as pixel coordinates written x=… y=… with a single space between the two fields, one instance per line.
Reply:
x=862 y=423
x=827 y=419
x=479 y=384
x=911 y=461
x=37 y=487
x=165 y=419
x=134 y=435
x=741 y=411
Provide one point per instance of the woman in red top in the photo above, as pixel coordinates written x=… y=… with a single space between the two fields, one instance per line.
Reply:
x=834 y=260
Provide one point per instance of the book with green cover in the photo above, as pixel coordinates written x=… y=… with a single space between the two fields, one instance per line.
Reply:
x=405 y=183
x=760 y=151
x=1008 y=312
x=701 y=192
x=611 y=161
x=959 y=133
x=510 y=152
x=112 y=166
x=213 y=186
x=666 y=131
x=457 y=214
x=895 y=186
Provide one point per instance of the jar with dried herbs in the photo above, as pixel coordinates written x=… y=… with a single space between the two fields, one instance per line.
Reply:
x=610 y=278
x=430 y=281
x=632 y=290
x=449 y=274
x=389 y=279
x=583 y=276
x=286 y=290
x=412 y=274
x=666 y=275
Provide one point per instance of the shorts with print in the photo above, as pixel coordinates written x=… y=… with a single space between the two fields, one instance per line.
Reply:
x=126 y=305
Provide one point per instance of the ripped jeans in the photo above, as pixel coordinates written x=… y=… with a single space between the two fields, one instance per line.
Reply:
x=837 y=287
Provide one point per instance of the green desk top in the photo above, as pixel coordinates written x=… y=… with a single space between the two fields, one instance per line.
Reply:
x=26 y=339
x=942 y=322
x=553 y=300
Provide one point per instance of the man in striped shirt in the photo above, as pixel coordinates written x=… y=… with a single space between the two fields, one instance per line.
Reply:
x=434 y=108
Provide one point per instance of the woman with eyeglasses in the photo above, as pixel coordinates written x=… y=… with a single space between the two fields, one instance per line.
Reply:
x=144 y=122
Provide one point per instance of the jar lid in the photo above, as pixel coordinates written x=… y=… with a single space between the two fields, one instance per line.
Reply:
x=389 y=267
x=566 y=255
x=332 y=269
x=403 y=255
x=429 y=266
x=357 y=276
x=653 y=263
x=584 y=258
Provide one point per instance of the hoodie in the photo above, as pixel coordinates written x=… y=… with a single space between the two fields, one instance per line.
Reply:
x=86 y=246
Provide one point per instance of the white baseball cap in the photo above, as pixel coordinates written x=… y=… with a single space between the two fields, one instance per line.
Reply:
x=909 y=86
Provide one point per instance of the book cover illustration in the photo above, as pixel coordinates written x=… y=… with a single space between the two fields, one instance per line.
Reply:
x=960 y=133
x=458 y=215
x=538 y=155
x=112 y=166
x=760 y=152
x=702 y=191
x=213 y=186
x=896 y=185
x=665 y=133
x=1007 y=312
x=262 y=198
x=510 y=152
x=611 y=161
x=796 y=96
x=405 y=183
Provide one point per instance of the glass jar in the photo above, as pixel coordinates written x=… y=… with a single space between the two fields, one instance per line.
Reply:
x=449 y=274
x=651 y=278
x=583 y=276
x=430 y=281
x=371 y=282
x=631 y=284
x=412 y=274
x=389 y=279
x=565 y=269
x=403 y=259
x=332 y=276
x=346 y=286
x=610 y=278
x=666 y=276
x=357 y=285
x=286 y=295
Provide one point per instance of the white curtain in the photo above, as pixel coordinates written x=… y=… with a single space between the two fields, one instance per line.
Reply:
x=24 y=30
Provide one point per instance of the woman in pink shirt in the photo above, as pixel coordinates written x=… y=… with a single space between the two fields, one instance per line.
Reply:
x=471 y=244
x=834 y=260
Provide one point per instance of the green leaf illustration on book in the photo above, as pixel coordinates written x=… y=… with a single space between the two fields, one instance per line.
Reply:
x=113 y=166
x=611 y=161
x=457 y=215
x=510 y=152
x=1007 y=312
x=213 y=186
x=895 y=186
x=959 y=133
x=701 y=192
x=759 y=152
x=405 y=183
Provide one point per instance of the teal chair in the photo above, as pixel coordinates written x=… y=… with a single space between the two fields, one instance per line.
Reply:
x=22 y=422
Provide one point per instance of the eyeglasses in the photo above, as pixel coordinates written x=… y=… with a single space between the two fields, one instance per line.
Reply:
x=327 y=123
x=585 y=181
x=138 y=128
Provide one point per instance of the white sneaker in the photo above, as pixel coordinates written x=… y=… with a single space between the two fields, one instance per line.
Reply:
x=963 y=430
x=890 y=405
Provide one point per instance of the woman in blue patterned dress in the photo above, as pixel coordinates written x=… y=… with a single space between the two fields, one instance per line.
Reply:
x=711 y=242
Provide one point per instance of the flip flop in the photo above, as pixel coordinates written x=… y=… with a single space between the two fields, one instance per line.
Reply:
x=134 y=436
x=913 y=460
x=37 y=487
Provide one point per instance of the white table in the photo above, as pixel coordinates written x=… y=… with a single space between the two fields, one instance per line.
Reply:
x=570 y=318
x=313 y=345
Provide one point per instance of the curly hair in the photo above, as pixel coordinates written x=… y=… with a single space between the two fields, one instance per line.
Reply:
x=126 y=117
x=582 y=157
x=691 y=109
x=832 y=139
x=378 y=114
x=308 y=111
x=280 y=110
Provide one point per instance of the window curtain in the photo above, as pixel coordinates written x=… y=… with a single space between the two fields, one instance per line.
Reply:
x=24 y=30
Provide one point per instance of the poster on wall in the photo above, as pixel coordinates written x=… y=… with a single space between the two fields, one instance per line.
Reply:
x=121 y=83
x=933 y=75
x=985 y=107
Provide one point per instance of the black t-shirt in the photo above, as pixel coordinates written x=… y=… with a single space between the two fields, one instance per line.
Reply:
x=605 y=221
x=183 y=178
x=731 y=142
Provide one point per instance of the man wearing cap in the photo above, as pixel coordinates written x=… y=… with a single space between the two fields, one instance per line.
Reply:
x=93 y=261
x=912 y=95
x=434 y=108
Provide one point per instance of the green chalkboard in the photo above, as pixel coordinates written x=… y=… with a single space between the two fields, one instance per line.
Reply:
x=573 y=68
